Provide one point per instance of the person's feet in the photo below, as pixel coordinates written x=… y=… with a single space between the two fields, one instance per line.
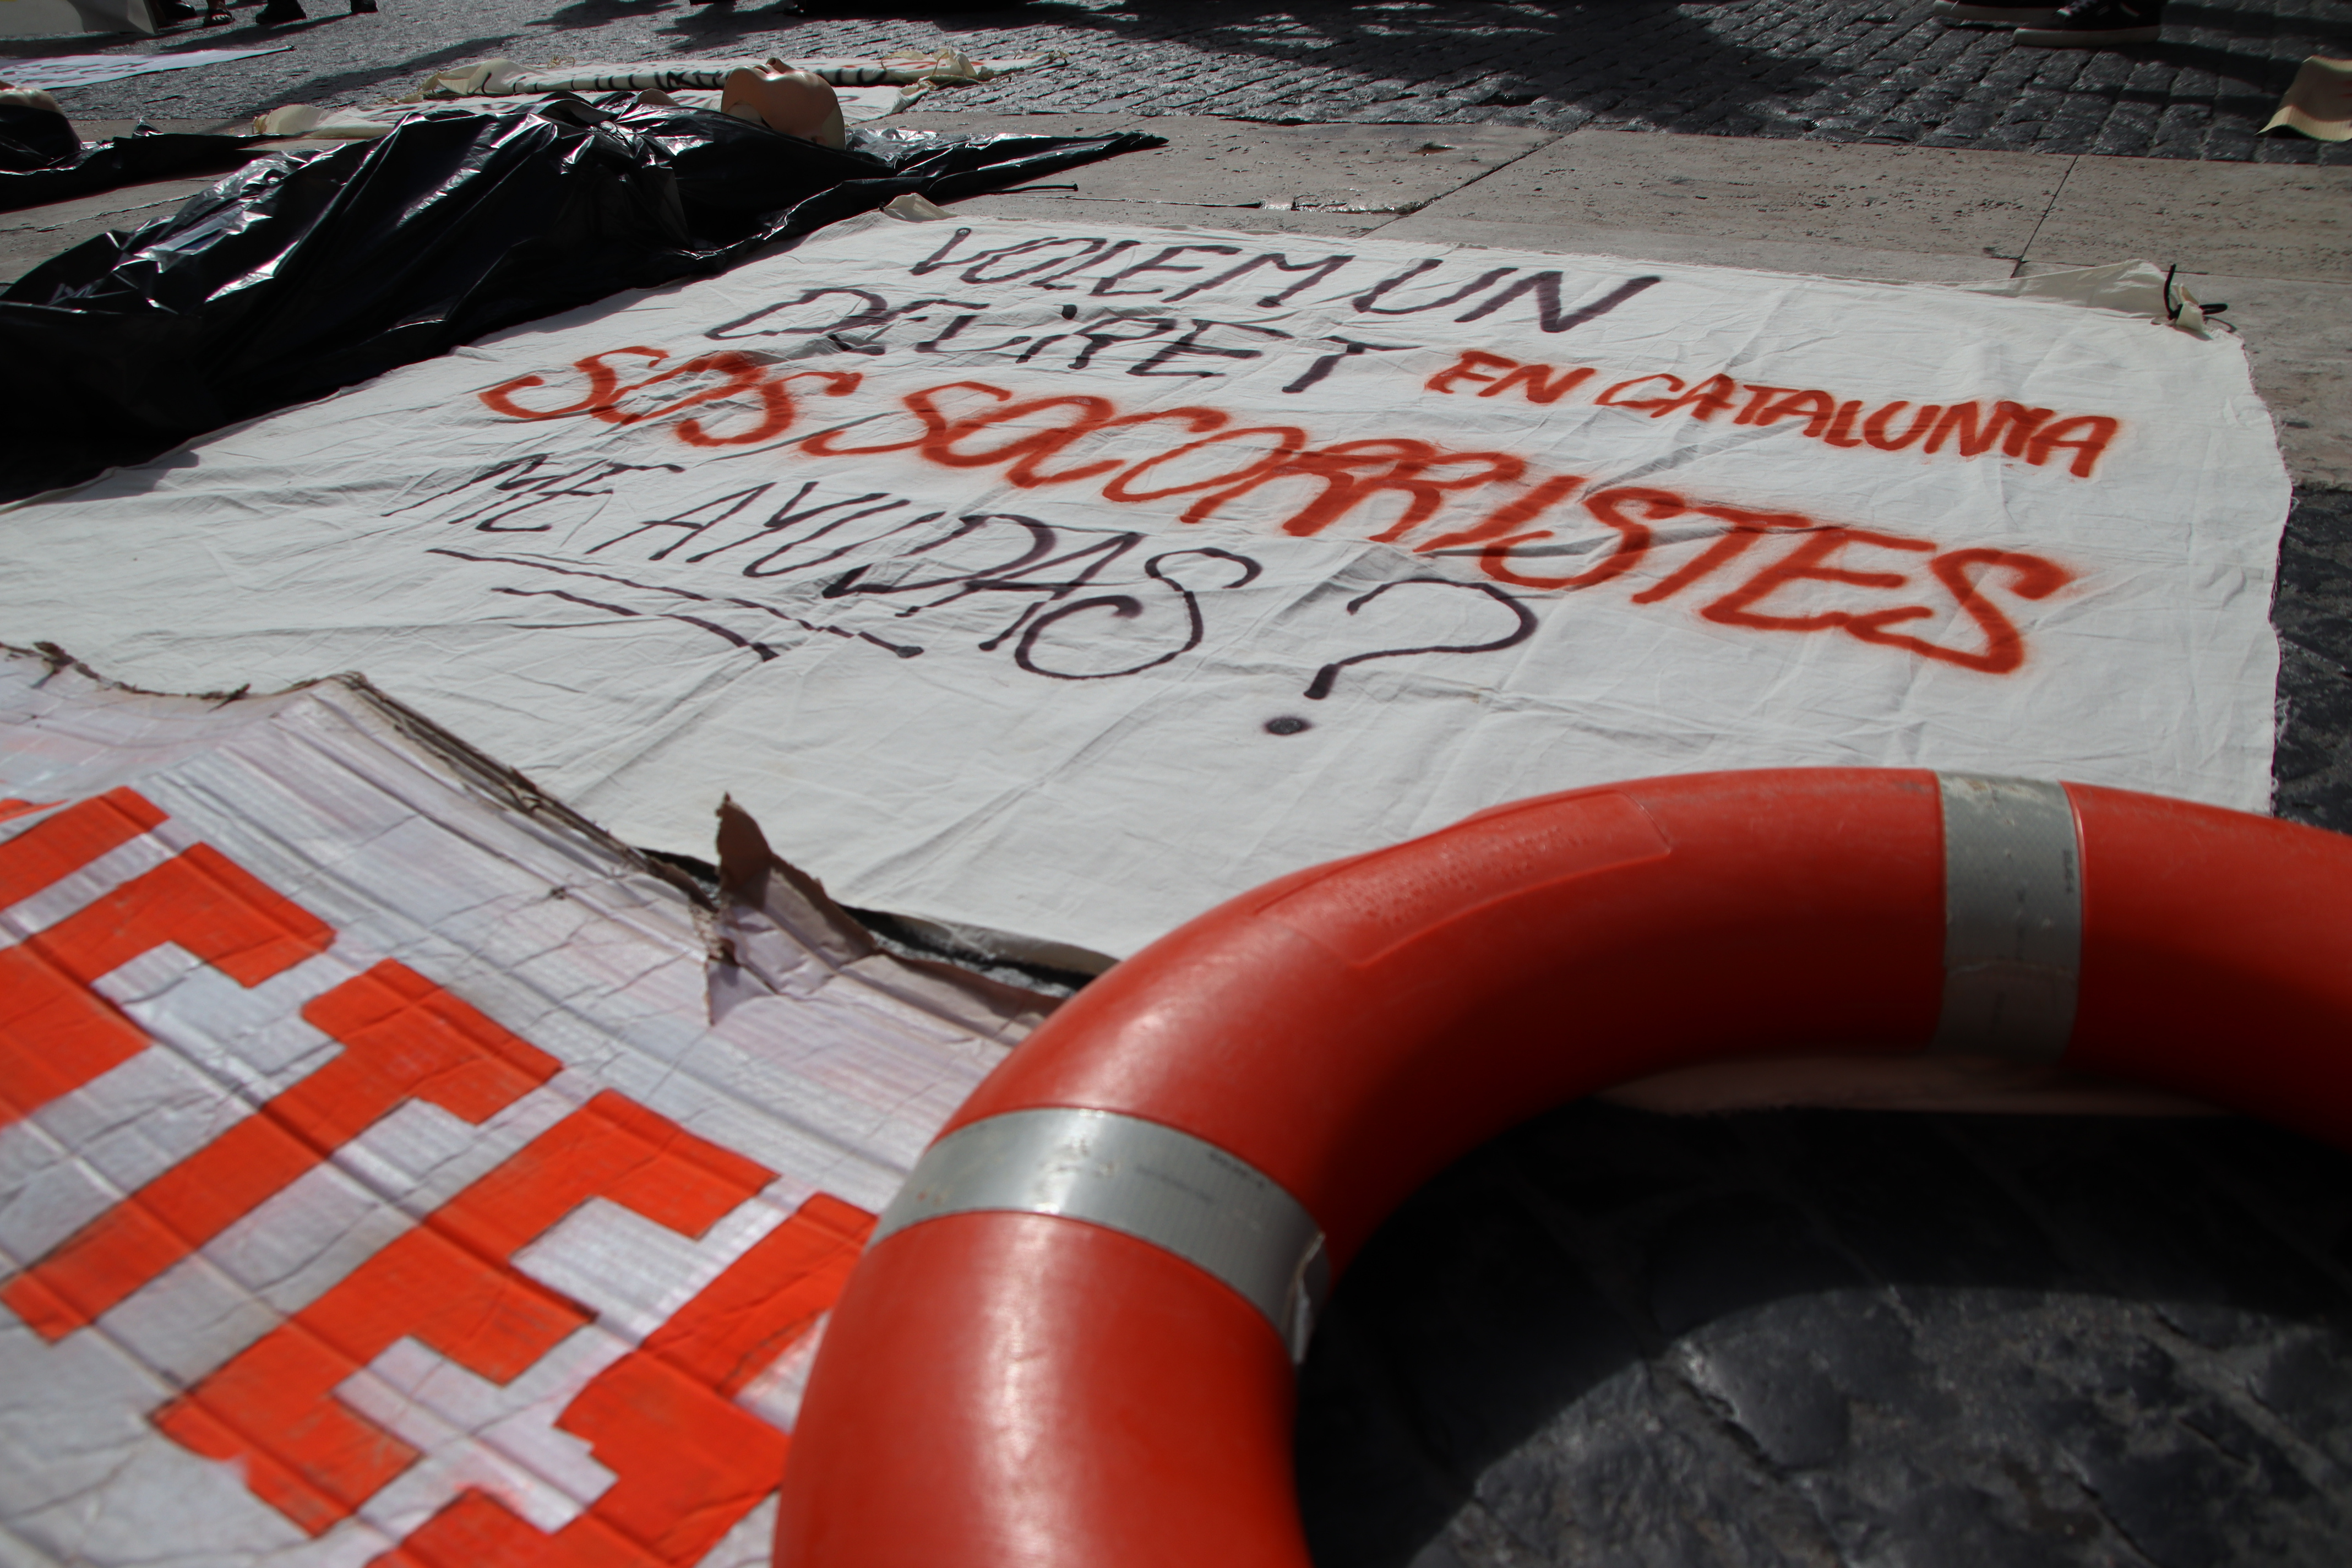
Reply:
x=2096 y=25
x=362 y=7
x=2033 y=14
x=277 y=13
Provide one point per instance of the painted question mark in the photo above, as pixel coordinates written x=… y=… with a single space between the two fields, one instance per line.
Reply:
x=1320 y=687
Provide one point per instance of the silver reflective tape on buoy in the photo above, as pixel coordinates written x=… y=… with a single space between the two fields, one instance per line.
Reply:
x=2012 y=917
x=1175 y=1191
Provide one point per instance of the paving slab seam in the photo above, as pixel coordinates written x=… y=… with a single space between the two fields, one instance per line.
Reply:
x=2048 y=207
x=1472 y=179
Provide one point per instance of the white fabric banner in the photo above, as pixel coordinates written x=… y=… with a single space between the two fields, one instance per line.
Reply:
x=1063 y=581
x=88 y=71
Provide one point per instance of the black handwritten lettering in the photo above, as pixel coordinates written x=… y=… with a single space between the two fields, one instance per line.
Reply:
x=1348 y=349
x=1164 y=262
x=1191 y=344
x=873 y=310
x=683 y=522
x=792 y=512
x=1041 y=539
x=1054 y=279
x=1367 y=303
x=522 y=478
x=1545 y=287
x=1523 y=627
x=1126 y=606
x=1316 y=272
x=902 y=650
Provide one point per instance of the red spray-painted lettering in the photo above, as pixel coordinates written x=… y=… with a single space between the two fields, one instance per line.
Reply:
x=55 y=1034
x=403 y=1038
x=449 y=1284
x=2016 y=430
x=1818 y=554
x=1155 y=456
x=689 y=1461
x=724 y=374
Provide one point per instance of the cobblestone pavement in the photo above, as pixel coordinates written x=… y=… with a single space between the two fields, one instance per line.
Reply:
x=1817 y=1337
x=2312 y=769
x=1839 y=69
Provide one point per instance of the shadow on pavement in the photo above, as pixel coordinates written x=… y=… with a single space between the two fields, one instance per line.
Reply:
x=1489 y=55
x=327 y=89
x=2313 y=613
x=1822 y=1336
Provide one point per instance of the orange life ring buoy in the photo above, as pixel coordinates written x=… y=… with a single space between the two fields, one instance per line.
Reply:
x=1071 y=1343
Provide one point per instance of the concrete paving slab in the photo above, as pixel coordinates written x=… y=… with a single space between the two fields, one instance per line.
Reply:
x=100 y=129
x=2264 y=220
x=1808 y=257
x=1087 y=210
x=1235 y=165
x=2299 y=333
x=1916 y=200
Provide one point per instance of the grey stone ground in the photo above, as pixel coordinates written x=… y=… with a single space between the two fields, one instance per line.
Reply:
x=2312 y=612
x=1611 y=1339
x=1834 y=69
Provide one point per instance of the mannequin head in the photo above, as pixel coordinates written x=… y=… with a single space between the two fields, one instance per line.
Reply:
x=796 y=102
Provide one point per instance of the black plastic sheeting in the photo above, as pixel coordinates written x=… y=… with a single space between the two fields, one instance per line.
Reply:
x=302 y=274
x=36 y=138
x=42 y=160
